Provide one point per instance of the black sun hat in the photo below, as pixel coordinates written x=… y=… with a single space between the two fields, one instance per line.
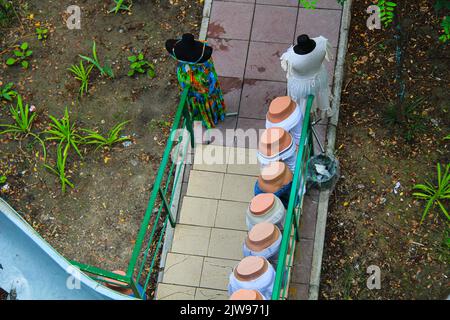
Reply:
x=304 y=44
x=188 y=49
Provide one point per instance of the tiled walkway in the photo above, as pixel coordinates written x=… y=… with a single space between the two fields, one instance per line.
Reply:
x=248 y=37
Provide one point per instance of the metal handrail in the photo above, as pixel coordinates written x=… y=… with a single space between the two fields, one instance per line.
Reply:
x=162 y=187
x=293 y=212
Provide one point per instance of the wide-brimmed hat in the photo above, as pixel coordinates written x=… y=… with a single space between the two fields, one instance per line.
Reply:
x=274 y=176
x=304 y=44
x=251 y=268
x=262 y=236
x=280 y=108
x=187 y=48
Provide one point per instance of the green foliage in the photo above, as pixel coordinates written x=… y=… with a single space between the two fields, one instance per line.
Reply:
x=441 y=4
x=105 y=70
x=119 y=5
x=23 y=123
x=413 y=123
x=64 y=132
x=341 y=2
x=42 y=33
x=447 y=137
x=445 y=24
x=386 y=11
x=6 y=92
x=82 y=75
x=435 y=194
x=111 y=138
x=140 y=65
x=308 y=4
x=6 y=12
x=60 y=169
x=21 y=54
x=2 y=179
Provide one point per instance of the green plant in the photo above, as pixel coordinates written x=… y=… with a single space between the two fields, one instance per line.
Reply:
x=411 y=122
x=82 y=75
x=119 y=5
x=6 y=12
x=60 y=169
x=23 y=123
x=105 y=70
x=386 y=11
x=447 y=137
x=445 y=24
x=21 y=54
x=435 y=194
x=6 y=92
x=308 y=4
x=140 y=65
x=2 y=179
x=112 y=137
x=42 y=33
x=64 y=132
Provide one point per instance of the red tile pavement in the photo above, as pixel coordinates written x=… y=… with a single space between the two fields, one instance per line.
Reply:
x=230 y=20
x=291 y=3
x=231 y=89
x=274 y=24
x=229 y=57
x=328 y=4
x=319 y=22
x=257 y=95
x=245 y=132
x=264 y=61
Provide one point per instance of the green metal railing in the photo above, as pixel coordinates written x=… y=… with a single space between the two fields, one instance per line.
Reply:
x=158 y=214
x=294 y=210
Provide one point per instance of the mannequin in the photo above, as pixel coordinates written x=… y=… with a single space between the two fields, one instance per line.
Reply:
x=265 y=207
x=277 y=144
x=275 y=178
x=263 y=240
x=306 y=72
x=246 y=294
x=254 y=273
x=285 y=113
x=196 y=70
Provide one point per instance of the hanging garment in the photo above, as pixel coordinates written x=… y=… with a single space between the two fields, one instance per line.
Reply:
x=292 y=124
x=205 y=95
x=264 y=283
x=275 y=215
x=270 y=253
x=283 y=193
x=307 y=74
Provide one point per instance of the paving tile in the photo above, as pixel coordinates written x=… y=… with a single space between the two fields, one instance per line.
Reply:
x=226 y=243
x=231 y=89
x=187 y=171
x=319 y=22
x=308 y=218
x=231 y=215
x=301 y=274
x=189 y=239
x=216 y=273
x=229 y=57
x=183 y=269
x=205 y=184
x=238 y=187
x=257 y=96
x=274 y=24
x=298 y=291
x=211 y=158
x=243 y=161
x=230 y=20
x=243 y=1
x=248 y=132
x=174 y=292
x=224 y=135
x=210 y=294
x=198 y=211
x=264 y=61
x=290 y=3
x=304 y=252
x=328 y=4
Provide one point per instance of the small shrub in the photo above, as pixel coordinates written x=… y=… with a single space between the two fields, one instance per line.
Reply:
x=60 y=169
x=445 y=24
x=120 y=6
x=3 y=179
x=435 y=194
x=386 y=11
x=21 y=54
x=106 y=70
x=112 y=137
x=42 y=33
x=6 y=92
x=140 y=65
x=82 y=75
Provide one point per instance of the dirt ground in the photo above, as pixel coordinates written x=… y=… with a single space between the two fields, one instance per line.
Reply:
x=368 y=223
x=97 y=221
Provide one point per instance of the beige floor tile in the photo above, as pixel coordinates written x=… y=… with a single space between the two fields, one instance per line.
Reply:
x=216 y=273
x=238 y=188
x=191 y=240
x=210 y=294
x=211 y=158
x=174 y=292
x=205 y=184
x=182 y=269
x=243 y=161
x=198 y=211
x=227 y=244
x=231 y=215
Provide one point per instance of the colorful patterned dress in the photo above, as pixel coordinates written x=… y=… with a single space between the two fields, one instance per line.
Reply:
x=205 y=95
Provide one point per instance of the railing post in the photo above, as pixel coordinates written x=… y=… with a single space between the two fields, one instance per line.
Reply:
x=187 y=116
x=167 y=207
